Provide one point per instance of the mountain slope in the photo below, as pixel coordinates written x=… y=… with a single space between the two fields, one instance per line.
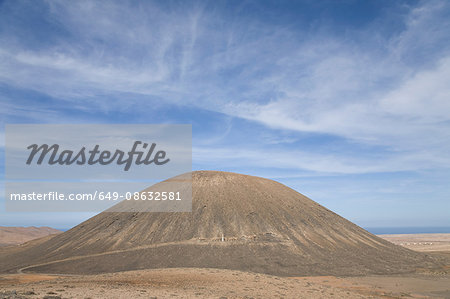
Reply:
x=19 y=235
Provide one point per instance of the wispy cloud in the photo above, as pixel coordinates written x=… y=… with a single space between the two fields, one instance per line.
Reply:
x=291 y=92
x=363 y=86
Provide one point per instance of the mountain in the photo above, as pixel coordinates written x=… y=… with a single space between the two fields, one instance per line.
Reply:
x=19 y=235
x=237 y=222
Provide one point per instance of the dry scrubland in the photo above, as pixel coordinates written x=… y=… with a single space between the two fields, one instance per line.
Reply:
x=277 y=244
x=176 y=283
x=217 y=283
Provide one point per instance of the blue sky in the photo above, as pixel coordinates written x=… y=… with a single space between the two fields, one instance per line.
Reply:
x=347 y=102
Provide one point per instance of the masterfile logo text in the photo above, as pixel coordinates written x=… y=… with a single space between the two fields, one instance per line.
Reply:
x=94 y=156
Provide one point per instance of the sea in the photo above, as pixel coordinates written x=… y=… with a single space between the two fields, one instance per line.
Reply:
x=408 y=230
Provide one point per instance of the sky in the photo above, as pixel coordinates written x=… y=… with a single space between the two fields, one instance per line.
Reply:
x=347 y=102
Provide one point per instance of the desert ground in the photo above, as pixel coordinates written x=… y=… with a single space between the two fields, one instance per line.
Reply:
x=221 y=283
x=170 y=283
x=218 y=283
x=421 y=242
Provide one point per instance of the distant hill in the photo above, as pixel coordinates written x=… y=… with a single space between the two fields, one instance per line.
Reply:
x=19 y=235
x=238 y=222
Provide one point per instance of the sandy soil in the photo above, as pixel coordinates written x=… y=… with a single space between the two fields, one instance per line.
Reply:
x=170 y=283
x=214 y=283
x=421 y=242
x=424 y=285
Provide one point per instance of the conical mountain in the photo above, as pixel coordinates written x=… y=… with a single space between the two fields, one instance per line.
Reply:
x=237 y=222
